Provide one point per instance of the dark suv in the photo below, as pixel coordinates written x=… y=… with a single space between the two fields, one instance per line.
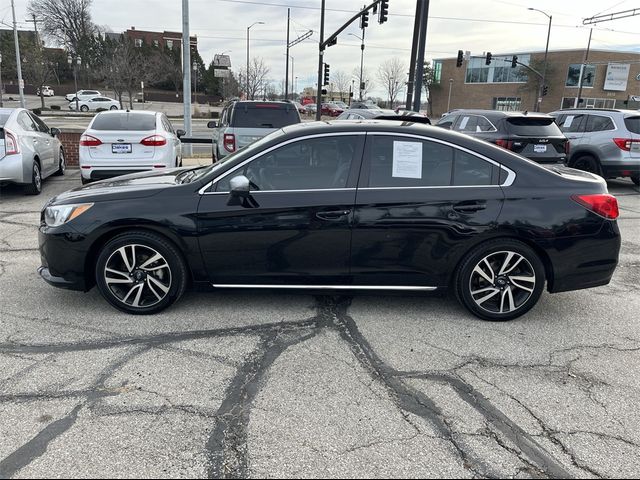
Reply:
x=244 y=122
x=532 y=135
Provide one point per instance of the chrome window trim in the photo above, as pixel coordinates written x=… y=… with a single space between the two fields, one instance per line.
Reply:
x=511 y=175
x=254 y=192
x=327 y=287
x=203 y=190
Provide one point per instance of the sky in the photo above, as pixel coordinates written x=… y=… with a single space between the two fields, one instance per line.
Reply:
x=498 y=26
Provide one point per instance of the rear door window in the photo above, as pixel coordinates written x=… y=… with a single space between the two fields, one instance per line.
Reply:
x=599 y=123
x=633 y=124
x=26 y=122
x=264 y=116
x=532 y=127
x=125 y=121
x=572 y=123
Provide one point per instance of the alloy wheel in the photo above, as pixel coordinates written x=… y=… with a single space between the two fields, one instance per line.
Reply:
x=502 y=282
x=37 y=178
x=137 y=275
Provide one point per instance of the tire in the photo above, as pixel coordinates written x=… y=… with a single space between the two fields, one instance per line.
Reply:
x=484 y=286
x=587 y=163
x=636 y=179
x=84 y=108
x=84 y=181
x=62 y=164
x=35 y=187
x=113 y=107
x=134 y=285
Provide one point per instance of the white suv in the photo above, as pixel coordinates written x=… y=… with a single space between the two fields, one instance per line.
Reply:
x=82 y=95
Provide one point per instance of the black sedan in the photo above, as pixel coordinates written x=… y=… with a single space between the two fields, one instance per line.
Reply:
x=348 y=205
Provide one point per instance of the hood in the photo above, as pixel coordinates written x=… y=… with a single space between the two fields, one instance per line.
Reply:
x=135 y=185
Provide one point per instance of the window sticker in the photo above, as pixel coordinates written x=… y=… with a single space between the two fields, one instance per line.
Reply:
x=568 y=121
x=407 y=159
x=464 y=122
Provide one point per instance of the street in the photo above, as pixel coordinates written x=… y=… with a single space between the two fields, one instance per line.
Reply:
x=254 y=384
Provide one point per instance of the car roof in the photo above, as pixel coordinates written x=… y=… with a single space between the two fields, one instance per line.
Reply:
x=374 y=125
x=605 y=110
x=500 y=113
x=371 y=111
x=137 y=112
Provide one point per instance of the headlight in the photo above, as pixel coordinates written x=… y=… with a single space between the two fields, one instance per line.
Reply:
x=58 y=215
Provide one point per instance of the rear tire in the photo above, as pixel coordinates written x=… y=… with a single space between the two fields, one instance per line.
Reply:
x=35 y=187
x=84 y=108
x=131 y=280
x=113 y=107
x=85 y=180
x=587 y=163
x=500 y=280
x=62 y=164
x=636 y=179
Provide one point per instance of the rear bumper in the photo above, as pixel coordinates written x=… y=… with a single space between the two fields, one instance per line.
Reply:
x=98 y=169
x=13 y=170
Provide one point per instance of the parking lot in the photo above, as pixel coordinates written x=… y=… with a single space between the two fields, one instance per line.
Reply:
x=255 y=384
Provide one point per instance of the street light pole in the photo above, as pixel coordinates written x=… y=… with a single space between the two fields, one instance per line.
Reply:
x=546 y=52
x=248 y=28
x=449 y=100
x=18 y=65
x=361 y=58
x=1 y=99
x=195 y=81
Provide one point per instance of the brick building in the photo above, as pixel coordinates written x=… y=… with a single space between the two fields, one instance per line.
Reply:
x=171 y=40
x=610 y=79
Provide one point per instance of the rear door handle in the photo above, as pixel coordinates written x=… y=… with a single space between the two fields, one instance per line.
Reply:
x=333 y=215
x=467 y=207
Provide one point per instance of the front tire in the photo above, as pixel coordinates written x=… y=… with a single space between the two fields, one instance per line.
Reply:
x=35 y=187
x=84 y=108
x=500 y=280
x=62 y=164
x=140 y=273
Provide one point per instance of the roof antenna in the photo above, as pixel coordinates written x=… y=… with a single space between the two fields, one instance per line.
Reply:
x=526 y=112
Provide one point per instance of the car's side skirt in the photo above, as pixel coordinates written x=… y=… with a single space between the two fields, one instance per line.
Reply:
x=328 y=287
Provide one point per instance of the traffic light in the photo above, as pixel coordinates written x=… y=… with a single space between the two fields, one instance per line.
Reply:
x=364 y=20
x=326 y=74
x=545 y=90
x=514 y=61
x=460 y=57
x=323 y=91
x=383 y=13
x=488 y=59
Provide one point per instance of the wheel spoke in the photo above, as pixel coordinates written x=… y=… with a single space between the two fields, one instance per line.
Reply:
x=517 y=279
x=139 y=287
x=506 y=293
x=482 y=290
x=151 y=260
x=504 y=270
x=483 y=274
x=125 y=276
x=153 y=290
x=125 y=258
x=480 y=301
x=158 y=283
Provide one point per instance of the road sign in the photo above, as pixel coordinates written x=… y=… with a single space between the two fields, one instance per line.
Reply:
x=221 y=72
x=222 y=61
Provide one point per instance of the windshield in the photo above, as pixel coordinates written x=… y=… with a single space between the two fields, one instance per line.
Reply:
x=533 y=127
x=264 y=116
x=124 y=121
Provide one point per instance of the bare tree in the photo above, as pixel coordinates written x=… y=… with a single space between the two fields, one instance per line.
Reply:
x=257 y=78
x=66 y=22
x=342 y=83
x=369 y=84
x=392 y=76
x=38 y=66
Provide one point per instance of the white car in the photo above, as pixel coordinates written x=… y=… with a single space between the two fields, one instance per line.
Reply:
x=47 y=91
x=121 y=142
x=95 y=103
x=29 y=150
x=82 y=95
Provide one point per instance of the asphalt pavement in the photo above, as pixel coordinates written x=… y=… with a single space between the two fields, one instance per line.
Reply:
x=255 y=384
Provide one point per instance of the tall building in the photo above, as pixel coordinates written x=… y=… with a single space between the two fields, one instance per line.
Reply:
x=610 y=79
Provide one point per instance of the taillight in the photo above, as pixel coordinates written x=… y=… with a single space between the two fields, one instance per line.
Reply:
x=89 y=141
x=603 y=204
x=10 y=143
x=508 y=144
x=229 y=142
x=625 y=143
x=567 y=147
x=154 y=141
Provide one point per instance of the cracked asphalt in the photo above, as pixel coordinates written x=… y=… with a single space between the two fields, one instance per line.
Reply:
x=254 y=384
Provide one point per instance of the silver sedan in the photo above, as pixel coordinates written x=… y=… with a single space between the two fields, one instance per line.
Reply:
x=95 y=103
x=29 y=150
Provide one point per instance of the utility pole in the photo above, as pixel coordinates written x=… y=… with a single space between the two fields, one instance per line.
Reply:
x=412 y=61
x=420 y=57
x=361 y=65
x=1 y=100
x=320 y=62
x=186 y=72
x=286 y=74
x=18 y=63
x=582 y=68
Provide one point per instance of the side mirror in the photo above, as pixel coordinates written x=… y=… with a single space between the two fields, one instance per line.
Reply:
x=54 y=131
x=180 y=133
x=212 y=124
x=239 y=186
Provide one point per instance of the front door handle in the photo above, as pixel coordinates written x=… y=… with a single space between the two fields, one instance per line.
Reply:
x=469 y=207
x=333 y=215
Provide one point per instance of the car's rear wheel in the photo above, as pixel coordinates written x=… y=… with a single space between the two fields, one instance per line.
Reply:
x=587 y=163
x=84 y=108
x=113 y=107
x=636 y=179
x=140 y=273
x=62 y=164
x=35 y=187
x=500 y=280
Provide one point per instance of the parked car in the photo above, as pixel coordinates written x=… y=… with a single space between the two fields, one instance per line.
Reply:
x=243 y=122
x=342 y=105
x=47 y=91
x=340 y=206
x=364 y=105
x=311 y=107
x=82 y=95
x=119 y=142
x=331 y=109
x=383 y=114
x=301 y=108
x=95 y=103
x=606 y=142
x=29 y=150
x=532 y=135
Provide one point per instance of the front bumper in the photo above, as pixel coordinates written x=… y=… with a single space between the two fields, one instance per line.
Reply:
x=63 y=254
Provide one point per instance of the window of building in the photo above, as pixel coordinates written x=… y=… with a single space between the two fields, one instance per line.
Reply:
x=567 y=102
x=170 y=44
x=499 y=71
x=588 y=75
x=138 y=42
x=156 y=43
x=507 y=104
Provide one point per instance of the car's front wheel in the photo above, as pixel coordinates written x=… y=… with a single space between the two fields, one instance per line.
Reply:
x=84 y=108
x=62 y=164
x=140 y=273
x=500 y=280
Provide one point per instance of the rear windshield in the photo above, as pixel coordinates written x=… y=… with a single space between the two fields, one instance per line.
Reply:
x=4 y=116
x=124 y=121
x=532 y=126
x=633 y=124
x=264 y=116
